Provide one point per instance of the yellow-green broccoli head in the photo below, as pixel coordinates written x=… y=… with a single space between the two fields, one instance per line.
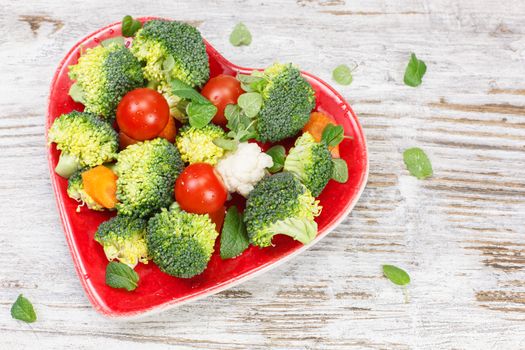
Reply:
x=83 y=135
x=196 y=145
x=104 y=74
x=123 y=239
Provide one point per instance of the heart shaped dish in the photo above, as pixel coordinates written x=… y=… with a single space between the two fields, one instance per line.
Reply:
x=157 y=290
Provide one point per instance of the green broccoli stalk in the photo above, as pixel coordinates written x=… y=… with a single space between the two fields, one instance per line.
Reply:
x=146 y=175
x=104 y=74
x=181 y=243
x=170 y=50
x=280 y=204
x=75 y=190
x=123 y=239
x=85 y=141
x=288 y=99
x=196 y=145
x=311 y=162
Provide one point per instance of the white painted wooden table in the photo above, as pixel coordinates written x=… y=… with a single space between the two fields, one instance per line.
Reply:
x=461 y=234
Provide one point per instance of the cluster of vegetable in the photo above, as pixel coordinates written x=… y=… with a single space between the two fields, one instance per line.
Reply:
x=166 y=148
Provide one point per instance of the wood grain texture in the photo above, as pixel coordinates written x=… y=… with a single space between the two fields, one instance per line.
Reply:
x=460 y=234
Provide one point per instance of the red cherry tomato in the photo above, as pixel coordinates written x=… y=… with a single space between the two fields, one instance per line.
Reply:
x=200 y=190
x=222 y=91
x=169 y=131
x=142 y=114
x=217 y=218
x=125 y=140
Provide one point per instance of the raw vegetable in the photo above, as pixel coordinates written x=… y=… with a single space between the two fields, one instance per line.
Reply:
x=415 y=71
x=119 y=275
x=342 y=74
x=234 y=239
x=417 y=163
x=340 y=173
x=123 y=239
x=396 y=275
x=287 y=98
x=103 y=75
x=240 y=35
x=311 y=162
x=125 y=140
x=196 y=145
x=75 y=190
x=278 y=154
x=242 y=169
x=142 y=114
x=222 y=90
x=100 y=183
x=200 y=190
x=84 y=136
x=280 y=204
x=180 y=243
x=199 y=110
x=23 y=310
x=217 y=217
x=171 y=49
x=169 y=131
x=146 y=174
x=130 y=26
x=316 y=125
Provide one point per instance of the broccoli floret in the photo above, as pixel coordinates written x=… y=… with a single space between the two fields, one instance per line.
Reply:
x=280 y=204
x=196 y=145
x=288 y=100
x=85 y=138
x=124 y=238
x=75 y=190
x=181 y=243
x=146 y=175
x=311 y=162
x=172 y=49
x=105 y=74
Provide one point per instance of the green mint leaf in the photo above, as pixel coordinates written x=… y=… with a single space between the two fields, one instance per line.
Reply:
x=22 y=310
x=240 y=35
x=226 y=144
x=417 y=163
x=340 y=172
x=76 y=93
x=415 y=71
x=396 y=275
x=333 y=135
x=250 y=103
x=130 y=26
x=342 y=74
x=247 y=81
x=234 y=238
x=119 y=275
x=183 y=90
x=119 y=40
x=200 y=114
x=241 y=127
x=278 y=154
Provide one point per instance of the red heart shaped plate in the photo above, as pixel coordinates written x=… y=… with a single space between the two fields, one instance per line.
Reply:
x=158 y=291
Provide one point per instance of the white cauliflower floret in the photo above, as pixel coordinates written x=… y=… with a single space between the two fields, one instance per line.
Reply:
x=242 y=169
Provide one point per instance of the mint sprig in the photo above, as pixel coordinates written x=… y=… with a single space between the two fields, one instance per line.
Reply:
x=23 y=310
x=234 y=238
x=414 y=71
x=119 y=275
